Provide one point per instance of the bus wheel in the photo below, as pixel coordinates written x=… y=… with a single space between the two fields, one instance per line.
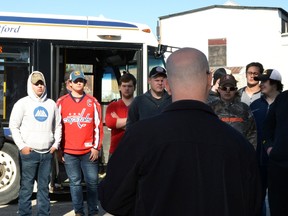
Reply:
x=9 y=173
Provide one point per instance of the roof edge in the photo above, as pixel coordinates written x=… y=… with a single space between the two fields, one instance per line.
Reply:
x=223 y=6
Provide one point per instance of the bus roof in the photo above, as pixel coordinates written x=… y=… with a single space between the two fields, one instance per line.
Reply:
x=63 y=27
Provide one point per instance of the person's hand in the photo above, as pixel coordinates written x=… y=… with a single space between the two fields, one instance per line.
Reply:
x=114 y=115
x=26 y=150
x=94 y=154
x=269 y=150
x=52 y=150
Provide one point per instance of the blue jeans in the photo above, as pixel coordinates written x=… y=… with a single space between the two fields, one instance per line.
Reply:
x=35 y=166
x=74 y=164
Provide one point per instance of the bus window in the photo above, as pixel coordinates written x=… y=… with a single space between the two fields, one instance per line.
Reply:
x=110 y=89
x=14 y=71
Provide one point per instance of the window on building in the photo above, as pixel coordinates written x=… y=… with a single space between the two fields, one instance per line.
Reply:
x=217 y=52
x=284 y=26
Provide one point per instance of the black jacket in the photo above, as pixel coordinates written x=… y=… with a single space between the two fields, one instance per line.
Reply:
x=275 y=130
x=145 y=106
x=184 y=161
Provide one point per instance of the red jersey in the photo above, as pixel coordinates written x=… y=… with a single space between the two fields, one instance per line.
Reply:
x=121 y=110
x=81 y=124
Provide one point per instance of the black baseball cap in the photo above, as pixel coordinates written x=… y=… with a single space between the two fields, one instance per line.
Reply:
x=157 y=71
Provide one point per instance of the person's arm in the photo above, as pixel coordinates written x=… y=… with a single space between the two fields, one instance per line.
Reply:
x=112 y=120
x=15 y=122
x=98 y=128
x=133 y=113
x=57 y=129
x=251 y=129
x=269 y=127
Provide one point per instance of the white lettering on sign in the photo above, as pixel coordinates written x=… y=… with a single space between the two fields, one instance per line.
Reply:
x=7 y=29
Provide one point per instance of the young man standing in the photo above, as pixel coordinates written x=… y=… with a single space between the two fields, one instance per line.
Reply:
x=271 y=87
x=153 y=101
x=234 y=112
x=252 y=90
x=35 y=124
x=82 y=141
x=117 y=111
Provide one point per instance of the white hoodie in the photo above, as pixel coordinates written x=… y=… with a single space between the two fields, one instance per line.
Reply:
x=35 y=121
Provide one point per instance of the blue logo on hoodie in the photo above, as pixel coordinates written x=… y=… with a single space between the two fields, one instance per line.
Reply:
x=40 y=114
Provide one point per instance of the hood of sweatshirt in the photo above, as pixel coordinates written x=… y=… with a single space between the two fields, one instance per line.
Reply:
x=30 y=91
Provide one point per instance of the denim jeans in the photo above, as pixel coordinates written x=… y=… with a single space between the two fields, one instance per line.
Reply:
x=35 y=166
x=74 y=164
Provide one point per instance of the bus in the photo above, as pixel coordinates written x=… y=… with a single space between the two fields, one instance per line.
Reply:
x=102 y=48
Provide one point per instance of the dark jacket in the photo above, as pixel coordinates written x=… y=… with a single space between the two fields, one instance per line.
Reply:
x=212 y=96
x=259 y=110
x=145 y=106
x=239 y=116
x=275 y=130
x=184 y=161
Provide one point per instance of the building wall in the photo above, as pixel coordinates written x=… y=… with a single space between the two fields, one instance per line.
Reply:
x=251 y=35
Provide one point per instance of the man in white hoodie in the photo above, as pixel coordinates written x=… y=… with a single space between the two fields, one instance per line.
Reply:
x=35 y=124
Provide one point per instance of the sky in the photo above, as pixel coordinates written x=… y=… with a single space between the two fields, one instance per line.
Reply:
x=139 y=11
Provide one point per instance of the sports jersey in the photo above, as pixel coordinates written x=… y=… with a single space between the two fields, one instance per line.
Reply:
x=121 y=110
x=82 y=124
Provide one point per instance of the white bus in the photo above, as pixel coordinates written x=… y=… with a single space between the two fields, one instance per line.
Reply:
x=54 y=44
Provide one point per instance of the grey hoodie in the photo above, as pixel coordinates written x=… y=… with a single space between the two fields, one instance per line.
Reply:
x=35 y=121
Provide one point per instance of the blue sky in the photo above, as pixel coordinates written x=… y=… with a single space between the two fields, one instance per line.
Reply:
x=146 y=11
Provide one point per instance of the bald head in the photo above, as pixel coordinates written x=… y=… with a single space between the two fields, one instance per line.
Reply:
x=188 y=78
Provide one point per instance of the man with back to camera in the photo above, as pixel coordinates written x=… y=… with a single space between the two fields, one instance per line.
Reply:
x=252 y=90
x=167 y=165
x=153 y=101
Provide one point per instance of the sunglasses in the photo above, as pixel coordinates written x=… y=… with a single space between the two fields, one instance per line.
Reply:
x=228 y=88
x=79 y=80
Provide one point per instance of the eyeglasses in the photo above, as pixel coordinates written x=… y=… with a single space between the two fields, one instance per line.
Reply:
x=228 y=88
x=252 y=73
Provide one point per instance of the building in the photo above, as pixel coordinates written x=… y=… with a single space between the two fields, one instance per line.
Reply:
x=231 y=36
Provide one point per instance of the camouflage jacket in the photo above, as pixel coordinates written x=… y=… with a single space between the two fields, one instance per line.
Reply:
x=239 y=116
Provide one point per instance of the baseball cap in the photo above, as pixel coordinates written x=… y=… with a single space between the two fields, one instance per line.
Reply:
x=37 y=76
x=76 y=75
x=227 y=79
x=157 y=71
x=269 y=74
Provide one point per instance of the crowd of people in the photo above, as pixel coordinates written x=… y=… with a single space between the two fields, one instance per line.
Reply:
x=193 y=144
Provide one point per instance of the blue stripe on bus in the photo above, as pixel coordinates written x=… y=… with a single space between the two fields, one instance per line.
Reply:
x=109 y=23
x=66 y=21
